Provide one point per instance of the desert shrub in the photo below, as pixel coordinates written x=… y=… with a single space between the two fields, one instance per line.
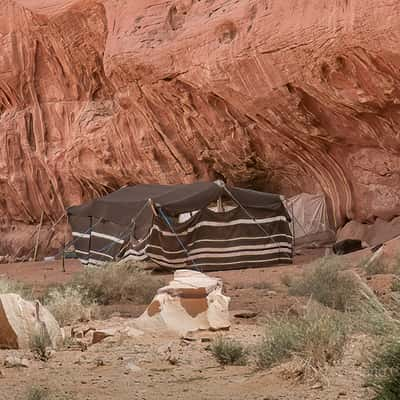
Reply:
x=39 y=345
x=384 y=372
x=374 y=323
x=287 y=280
x=396 y=285
x=10 y=286
x=37 y=393
x=68 y=304
x=318 y=337
x=263 y=286
x=376 y=267
x=229 y=352
x=327 y=283
x=116 y=283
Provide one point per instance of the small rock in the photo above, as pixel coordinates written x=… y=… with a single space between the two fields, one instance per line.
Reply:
x=206 y=340
x=317 y=386
x=133 y=367
x=100 y=335
x=342 y=393
x=245 y=314
x=271 y=293
x=12 y=362
x=189 y=338
x=100 y=362
x=173 y=360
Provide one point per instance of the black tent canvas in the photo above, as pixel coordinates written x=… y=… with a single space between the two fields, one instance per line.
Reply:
x=141 y=222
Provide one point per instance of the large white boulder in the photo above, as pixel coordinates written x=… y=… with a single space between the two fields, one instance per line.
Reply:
x=192 y=301
x=21 y=320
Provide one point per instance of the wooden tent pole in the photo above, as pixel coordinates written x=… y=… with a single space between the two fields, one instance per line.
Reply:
x=294 y=234
x=63 y=257
x=38 y=237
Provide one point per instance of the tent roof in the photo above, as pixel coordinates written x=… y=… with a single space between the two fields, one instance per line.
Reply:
x=126 y=203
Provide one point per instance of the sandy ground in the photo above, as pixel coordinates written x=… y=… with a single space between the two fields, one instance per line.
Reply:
x=137 y=368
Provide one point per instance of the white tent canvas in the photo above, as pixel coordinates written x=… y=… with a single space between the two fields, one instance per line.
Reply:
x=309 y=217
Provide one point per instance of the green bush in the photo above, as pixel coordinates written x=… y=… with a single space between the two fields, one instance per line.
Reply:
x=328 y=284
x=229 y=351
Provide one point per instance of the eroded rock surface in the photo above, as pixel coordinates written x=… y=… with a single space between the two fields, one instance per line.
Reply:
x=283 y=96
x=21 y=321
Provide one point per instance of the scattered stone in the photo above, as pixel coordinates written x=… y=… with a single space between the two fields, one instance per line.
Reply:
x=100 y=335
x=245 y=314
x=317 y=386
x=14 y=362
x=100 y=362
x=133 y=367
x=271 y=293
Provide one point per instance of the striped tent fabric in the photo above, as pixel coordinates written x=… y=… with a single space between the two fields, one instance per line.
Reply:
x=254 y=234
x=217 y=241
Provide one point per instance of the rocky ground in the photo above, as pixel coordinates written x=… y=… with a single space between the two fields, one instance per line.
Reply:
x=157 y=367
x=154 y=366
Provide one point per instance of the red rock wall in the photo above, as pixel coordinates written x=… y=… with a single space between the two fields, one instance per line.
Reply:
x=300 y=95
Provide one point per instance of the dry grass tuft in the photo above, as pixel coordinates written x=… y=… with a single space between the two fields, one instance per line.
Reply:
x=40 y=344
x=318 y=338
x=37 y=393
x=384 y=372
x=69 y=304
x=9 y=286
x=327 y=283
x=377 y=267
x=229 y=352
x=115 y=283
x=263 y=286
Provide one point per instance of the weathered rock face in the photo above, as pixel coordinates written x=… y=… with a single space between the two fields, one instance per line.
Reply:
x=21 y=321
x=283 y=96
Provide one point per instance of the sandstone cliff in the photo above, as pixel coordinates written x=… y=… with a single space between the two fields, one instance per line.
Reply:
x=283 y=96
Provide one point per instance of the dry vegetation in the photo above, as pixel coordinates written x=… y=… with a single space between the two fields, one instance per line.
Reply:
x=117 y=283
x=318 y=337
x=9 y=286
x=39 y=393
x=229 y=351
x=69 y=304
x=78 y=300
x=384 y=372
x=327 y=283
x=339 y=305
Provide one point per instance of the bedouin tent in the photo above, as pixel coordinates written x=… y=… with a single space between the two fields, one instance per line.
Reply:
x=310 y=221
x=141 y=222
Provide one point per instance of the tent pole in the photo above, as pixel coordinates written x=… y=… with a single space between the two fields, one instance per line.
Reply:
x=220 y=206
x=267 y=234
x=294 y=234
x=63 y=257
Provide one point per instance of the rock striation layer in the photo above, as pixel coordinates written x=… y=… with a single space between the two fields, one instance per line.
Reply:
x=283 y=96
